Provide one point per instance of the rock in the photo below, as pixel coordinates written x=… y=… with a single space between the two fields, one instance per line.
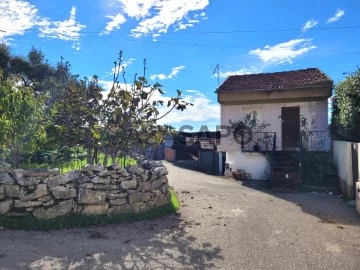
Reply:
x=99 y=180
x=107 y=173
x=112 y=195
x=61 y=209
x=41 y=173
x=25 y=204
x=126 y=185
x=157 y=172
x=144 y=176
x=29 y=181
x=5 y=178
x=63 y=179
x=12 y=191
x=115 y=176
x=98 y=168
x=89 y=196
x=30 y=209
x=145 y=186
x=122 y=209
x=17 y=173
x=138 y=207
x=2 y=192
x=5 y=206
x=118 y=201
x=113 y=167
x=100 y=209
x=27 y=194
x=165 y=188
x=106 y=187
x=87 y=185
x=157 y=183
x=154 y=164
x=4 y=167
x=64 y=192
x=45 y=198
x=139 y=197
x=158 y=200
x=83 y=179
x=18 y=214
x=48 y=203
x=135 y=169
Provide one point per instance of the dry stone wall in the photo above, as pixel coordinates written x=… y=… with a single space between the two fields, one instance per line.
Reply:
x=47 y=194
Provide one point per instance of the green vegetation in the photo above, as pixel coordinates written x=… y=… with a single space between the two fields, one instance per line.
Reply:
x=50 y=116
x=79 y=221
x=345 y=120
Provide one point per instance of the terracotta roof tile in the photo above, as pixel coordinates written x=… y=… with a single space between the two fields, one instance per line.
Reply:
x=276 y=80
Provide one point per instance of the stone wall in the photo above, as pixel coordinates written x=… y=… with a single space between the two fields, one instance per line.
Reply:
x=47 y=194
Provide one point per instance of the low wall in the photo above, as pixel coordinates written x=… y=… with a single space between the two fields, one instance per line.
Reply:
x=47 y=194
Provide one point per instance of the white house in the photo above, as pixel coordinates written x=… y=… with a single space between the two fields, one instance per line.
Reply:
x=291 y=110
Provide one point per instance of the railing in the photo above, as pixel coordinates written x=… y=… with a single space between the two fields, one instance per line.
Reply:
x=319 y=141
x=257 y=141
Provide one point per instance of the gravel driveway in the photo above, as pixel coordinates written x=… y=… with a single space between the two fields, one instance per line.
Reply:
x=221 y=225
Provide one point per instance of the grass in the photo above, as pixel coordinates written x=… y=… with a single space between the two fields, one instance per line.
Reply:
x=74 y=164
x=80 y=221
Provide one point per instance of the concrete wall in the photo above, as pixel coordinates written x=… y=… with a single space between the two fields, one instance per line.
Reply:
x=270 y=113
x=47 y=194
x=342 y=159
x=254 y=163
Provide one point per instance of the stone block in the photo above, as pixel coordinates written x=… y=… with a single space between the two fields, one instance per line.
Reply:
x=5 y=178
x=12 y=191
x=25 y=204
x=134 y=169
x=100 y=180
x=17 y=173
x=157 y=183
x=139 y=197
x=89 y=196
x=126 y=185
x=112 y=195
x=86 y=185
x=145 y=186
x=2 y=192
x=28 y=194
x=63 y=179
x=64 y=192
x=118 y=201
x=29 y=181
x=5 y=206
x=113 y=167
x=63 y=208
x=98 y=209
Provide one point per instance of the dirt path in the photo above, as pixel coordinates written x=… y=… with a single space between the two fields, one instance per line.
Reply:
x=222 y=225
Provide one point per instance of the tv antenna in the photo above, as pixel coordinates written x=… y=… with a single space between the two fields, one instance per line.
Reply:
x=217 y=70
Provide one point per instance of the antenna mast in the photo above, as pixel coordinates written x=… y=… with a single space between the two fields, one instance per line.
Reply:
x=217 y=69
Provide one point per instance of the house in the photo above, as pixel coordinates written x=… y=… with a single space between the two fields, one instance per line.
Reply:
x=281 y=112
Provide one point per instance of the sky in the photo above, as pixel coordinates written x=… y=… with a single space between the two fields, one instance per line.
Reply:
x=183 y=41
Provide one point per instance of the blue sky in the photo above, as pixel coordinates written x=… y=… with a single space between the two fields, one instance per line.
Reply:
x=183 y=40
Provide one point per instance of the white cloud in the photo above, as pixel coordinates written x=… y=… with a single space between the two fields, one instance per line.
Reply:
x=115 y=23
x=157 y=16
x=283 y=52
x=172 y=74
x=243 y=71
x=17 y=17
x=65 y=30
x=339 y=13
x=309 y=24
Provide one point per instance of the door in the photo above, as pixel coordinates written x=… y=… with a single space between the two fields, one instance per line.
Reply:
x=290 y=128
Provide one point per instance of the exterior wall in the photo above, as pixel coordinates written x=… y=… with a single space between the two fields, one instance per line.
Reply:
x=254 y=163
x=343 y=162
x=270 y=113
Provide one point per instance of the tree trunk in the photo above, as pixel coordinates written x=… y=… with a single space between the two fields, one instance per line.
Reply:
x=89 y=157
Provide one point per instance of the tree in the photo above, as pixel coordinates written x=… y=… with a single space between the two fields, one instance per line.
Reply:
x=130 y=113
x=345 y=119
x=20 y=120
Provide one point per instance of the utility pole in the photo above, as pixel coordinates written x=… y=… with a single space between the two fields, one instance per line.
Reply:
x=217 y=69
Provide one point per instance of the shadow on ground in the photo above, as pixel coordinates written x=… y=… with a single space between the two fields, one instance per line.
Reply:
x=158 y=244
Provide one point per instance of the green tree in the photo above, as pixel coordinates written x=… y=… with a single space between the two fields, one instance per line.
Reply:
x=22 y=129
x=345 y=120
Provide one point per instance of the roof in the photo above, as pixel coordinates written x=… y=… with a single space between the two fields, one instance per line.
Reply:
x=277 y=80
